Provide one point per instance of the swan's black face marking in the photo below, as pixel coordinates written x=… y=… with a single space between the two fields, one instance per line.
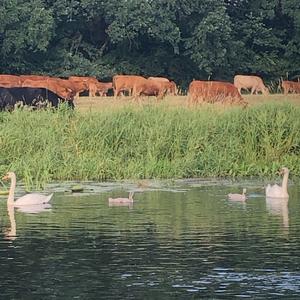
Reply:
x=284 y=170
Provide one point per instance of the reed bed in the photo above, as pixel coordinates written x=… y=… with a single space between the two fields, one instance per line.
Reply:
x=150 y=141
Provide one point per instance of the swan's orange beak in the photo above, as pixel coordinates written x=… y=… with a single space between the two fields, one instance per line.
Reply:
x=281 y=171
x=5 y=177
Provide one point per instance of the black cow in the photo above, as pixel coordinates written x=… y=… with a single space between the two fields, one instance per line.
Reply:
x=36 y=97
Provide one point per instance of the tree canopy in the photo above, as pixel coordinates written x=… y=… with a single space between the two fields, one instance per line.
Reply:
x=180 y=39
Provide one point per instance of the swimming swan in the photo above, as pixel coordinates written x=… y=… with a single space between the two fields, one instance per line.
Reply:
x=277 y=191
x=128 y=200
x=29 y=199
x=238 y=197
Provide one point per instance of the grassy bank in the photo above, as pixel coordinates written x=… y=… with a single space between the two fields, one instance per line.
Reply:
x=153 y=141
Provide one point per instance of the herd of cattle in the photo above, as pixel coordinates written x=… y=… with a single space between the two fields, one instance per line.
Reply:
x=36 y=90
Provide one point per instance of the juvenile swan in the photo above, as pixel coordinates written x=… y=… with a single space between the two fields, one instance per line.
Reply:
x=128 y=200
x=277 y=191
x=238 y=197
x=29 y=199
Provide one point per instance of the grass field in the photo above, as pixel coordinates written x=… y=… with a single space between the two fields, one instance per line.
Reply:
x=100 y=103
x=107 y=139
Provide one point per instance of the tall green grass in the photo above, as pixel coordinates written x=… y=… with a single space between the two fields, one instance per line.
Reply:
x=151 y=141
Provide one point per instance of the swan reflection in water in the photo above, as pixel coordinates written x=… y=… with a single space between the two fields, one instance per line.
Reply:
x=11 y=233
x=279 y=207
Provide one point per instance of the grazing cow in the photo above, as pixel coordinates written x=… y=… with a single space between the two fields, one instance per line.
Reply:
x=63 y=82
x=138 y=86
x=290 y=86
x=92 y=85
x=76 y=87
x=37 y=97
x=173 y=88
x=10 y=81
x=100 y=88
x=247 y=82
x=146 y=87
x=169 y=88
x=58 y=86
x=214 y=91
x=123 y=83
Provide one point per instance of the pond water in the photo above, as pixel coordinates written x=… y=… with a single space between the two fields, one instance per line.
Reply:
x=179 y=240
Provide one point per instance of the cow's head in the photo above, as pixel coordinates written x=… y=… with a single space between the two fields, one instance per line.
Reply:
x=66 y=93
x=265 y=91
x=173 y=88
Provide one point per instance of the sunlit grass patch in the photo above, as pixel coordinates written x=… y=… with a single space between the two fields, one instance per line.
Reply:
x=150 y=141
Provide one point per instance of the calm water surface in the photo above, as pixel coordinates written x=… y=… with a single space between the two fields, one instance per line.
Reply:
x=183 y=240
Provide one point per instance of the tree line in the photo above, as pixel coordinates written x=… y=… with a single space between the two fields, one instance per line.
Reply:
x=179 y=39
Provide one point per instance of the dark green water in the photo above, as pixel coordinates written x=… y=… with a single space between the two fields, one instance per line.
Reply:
x=183 y=241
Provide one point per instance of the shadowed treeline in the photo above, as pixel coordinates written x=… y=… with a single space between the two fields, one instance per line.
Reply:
x=180 y=40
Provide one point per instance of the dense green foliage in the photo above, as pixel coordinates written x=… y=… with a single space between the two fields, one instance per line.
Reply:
x=150 y=142
x=181 y=39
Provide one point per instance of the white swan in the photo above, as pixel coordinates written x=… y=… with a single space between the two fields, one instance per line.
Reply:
x=29 y=199
x=121 y=201
x=277 y=191
x=238 y=197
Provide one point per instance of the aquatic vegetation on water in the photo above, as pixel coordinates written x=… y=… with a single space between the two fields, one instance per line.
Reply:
x=151 y=141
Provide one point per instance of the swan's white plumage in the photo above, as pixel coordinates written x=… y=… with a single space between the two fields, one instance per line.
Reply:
x=29 y=199
x=32 y=199
x=128 y=200
x=238 y=197
x=277 y=191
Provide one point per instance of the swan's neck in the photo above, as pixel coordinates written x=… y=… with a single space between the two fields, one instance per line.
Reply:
x=11 y=195
x=285 y=181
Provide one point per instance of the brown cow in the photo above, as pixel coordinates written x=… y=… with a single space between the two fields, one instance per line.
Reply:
x=150 y=87
x=254 y=83
x=76 y=87
x=58 y=86
x=10 y=81
x=138 y=86
x=173 y=88
x=290 y=86
x=214 y=91
x=101 y=88
x=64 y=82
x=123 y=83
x=91 y=84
